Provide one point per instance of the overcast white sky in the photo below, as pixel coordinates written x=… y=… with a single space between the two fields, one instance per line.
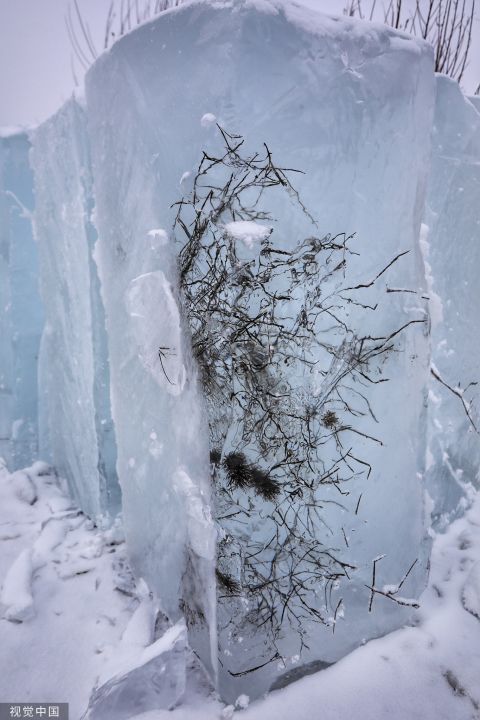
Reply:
x=35 y=52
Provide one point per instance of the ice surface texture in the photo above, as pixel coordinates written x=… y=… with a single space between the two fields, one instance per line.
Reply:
x=21 y=317
x=74 y=384
x=451 y=239
x=351 y=107
x=155 y=680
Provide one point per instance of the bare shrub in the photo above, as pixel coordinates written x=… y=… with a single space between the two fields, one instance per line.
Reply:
x=446 y=24
x=263 y=326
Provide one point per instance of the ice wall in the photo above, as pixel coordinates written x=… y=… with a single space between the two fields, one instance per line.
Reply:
x=77 y=430
x=351 y=106
x=21 y=318
x=451 y=241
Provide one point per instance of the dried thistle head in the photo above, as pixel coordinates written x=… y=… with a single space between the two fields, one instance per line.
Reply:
x=264 y=485
x=237 y=470
x=330 y=419
x=315 y=242
x=215 y=456
x=228 y=583
x=243 y=275
x=257 y=355
x=311 y=411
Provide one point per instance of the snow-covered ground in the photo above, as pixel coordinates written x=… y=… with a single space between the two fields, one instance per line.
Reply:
x=73 y=617
x=58 y=573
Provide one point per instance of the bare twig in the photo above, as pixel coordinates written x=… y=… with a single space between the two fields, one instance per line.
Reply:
x=458 y=392
x=390 y=592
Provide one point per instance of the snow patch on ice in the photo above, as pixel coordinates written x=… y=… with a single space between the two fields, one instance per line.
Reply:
x=208 y=119
x=159 y=237
x=242 y=702
x=248 y=231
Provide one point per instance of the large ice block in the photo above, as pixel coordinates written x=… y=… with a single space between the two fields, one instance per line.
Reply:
x=350 y=105
x=475 y=101
x=451 y=240
x=77 y=429
x=21 y=310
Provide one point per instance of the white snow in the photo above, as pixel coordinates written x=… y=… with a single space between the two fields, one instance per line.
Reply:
x=85 y=631
x=471 y=591
x=23 y=487
x=208 y=119
x=159 y=235
x=248 y=231
x=242 y=702
x=16 y=599
x=57 y=616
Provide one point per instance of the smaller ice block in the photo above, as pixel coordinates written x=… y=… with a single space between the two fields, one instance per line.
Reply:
x=21 y=310
x=77 y=428
x=451 y=245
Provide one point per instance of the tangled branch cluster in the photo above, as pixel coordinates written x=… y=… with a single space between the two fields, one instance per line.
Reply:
x=285 y=382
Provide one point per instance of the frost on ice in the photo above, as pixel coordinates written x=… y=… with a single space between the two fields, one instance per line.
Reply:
x=158 y=346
